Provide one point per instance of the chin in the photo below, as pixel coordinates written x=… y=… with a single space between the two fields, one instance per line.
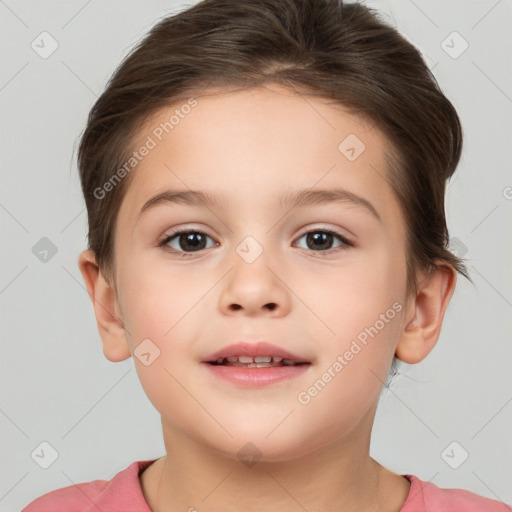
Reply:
x=254 y=445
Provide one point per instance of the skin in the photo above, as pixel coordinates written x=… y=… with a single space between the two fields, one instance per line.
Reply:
x=251 y=146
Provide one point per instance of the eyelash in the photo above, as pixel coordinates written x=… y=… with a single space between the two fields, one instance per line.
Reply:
x=163 y=243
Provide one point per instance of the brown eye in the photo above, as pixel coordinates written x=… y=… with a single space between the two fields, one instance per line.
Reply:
x=187 y=241
x=321 y=240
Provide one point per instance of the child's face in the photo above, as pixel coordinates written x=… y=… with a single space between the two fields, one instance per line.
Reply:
x=250 y=148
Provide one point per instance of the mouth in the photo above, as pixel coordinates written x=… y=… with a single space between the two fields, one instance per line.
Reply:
x=250 y=365
x=254 y=355
x=256 y=361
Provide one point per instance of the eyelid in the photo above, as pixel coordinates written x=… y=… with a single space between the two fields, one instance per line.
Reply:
x=169 y=236
x=324 y=229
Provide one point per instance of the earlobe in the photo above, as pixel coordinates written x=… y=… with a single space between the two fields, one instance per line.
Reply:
x=106 y=308
x=425 y=313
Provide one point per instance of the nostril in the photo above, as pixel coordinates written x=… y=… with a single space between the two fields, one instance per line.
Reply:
x=271 y=306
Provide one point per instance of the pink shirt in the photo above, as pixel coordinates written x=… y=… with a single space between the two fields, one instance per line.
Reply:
x=124 y=493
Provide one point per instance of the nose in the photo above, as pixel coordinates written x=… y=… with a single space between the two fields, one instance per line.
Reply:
x=254 y=289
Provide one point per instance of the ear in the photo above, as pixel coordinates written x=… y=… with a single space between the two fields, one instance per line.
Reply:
x=103 y=296
x=425 y=313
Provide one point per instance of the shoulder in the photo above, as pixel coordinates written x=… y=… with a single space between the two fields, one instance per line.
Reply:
x=73 y=498
x=123 y=492
x=425 y=496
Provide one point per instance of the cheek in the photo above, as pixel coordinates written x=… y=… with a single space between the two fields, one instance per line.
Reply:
x=162 y=311
x=158 y=301
x=361 y=310
x=354 y=365
x=347 y=299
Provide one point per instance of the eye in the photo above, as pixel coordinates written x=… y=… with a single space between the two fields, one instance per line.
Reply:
x=190 y=241
x=187 y=241
x=320 y=240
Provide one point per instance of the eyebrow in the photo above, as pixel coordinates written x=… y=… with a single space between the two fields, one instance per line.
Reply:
x=295 y=199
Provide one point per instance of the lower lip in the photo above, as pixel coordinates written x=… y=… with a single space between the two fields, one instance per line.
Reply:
x=252 y=377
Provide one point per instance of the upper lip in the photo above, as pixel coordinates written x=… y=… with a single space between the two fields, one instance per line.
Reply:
x=259 y=349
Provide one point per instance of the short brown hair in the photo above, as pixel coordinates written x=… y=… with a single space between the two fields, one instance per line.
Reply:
x=323 y=48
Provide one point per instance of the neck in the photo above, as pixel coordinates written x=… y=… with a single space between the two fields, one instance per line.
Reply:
x=337 y=477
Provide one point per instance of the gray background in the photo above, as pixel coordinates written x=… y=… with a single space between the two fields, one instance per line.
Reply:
x=56 y=384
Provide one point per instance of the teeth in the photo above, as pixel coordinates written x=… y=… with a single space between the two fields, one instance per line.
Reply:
x=265 y=359
x=256 y=362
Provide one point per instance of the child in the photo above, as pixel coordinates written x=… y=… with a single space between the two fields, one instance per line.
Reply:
x=265 y=192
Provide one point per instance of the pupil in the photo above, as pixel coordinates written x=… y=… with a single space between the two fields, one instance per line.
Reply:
x=320 y=238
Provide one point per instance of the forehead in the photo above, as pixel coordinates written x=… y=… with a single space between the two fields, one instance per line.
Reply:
x=250 y=147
